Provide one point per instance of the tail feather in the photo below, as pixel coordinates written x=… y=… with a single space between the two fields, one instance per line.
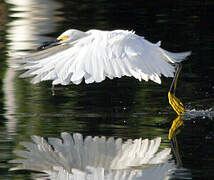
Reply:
x=175 y=57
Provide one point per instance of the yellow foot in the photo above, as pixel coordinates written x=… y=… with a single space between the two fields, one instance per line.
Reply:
x=176 y=104
x=175 y=125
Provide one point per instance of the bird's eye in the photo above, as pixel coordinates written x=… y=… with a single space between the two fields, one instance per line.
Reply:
x=62 y=37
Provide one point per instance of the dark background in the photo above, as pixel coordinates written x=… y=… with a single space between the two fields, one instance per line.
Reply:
x=121 y=107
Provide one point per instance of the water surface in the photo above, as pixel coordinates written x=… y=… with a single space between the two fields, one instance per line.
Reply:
x=121 y=107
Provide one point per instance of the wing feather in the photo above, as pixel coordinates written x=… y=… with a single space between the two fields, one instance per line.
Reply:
x=99 y=55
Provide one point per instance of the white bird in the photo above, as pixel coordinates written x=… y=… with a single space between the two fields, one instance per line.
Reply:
x=96 y=158
x=95 y=55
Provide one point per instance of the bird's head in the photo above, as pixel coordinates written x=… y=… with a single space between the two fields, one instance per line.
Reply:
x=71 y=35
x=68 y=36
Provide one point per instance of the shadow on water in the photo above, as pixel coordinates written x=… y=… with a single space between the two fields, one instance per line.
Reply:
x=123 y=108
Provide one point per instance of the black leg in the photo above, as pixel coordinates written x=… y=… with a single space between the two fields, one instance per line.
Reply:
x=176 y=104
x=175 y=79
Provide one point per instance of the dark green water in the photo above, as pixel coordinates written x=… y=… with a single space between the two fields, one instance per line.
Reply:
x=121 y=107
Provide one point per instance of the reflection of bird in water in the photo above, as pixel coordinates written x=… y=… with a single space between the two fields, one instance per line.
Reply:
x=95 y=55
x=95 y=158
x=189 y=115
x=194 y=141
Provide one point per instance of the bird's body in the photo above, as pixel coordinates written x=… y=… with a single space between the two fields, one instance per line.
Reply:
x=95 y=55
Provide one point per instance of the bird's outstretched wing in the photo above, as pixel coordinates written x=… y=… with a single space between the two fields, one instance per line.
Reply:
x=100 y=55
x=90 y=158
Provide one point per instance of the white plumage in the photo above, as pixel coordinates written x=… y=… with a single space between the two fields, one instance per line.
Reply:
x=95 y=158
x=95 y=55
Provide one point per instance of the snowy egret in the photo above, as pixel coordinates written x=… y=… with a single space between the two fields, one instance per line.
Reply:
x=95 y=55
x=77 y=158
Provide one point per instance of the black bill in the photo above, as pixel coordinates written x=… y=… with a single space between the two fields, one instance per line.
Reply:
x=48 y=44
